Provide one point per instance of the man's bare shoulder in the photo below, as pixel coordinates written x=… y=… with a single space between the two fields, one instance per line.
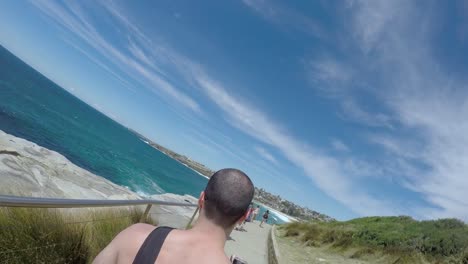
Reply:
x=140 y=229
x=134 y=235
x=125 y=245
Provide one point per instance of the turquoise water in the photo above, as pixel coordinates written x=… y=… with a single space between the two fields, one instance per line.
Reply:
x=34 y=108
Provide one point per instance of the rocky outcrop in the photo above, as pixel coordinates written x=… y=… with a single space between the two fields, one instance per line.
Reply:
x=27 y=169
x=31 y=170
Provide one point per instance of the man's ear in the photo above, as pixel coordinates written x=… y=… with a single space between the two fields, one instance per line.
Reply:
x=243 y=217
x=201 y=200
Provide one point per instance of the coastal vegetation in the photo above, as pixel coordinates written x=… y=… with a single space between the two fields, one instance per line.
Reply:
x=56 y=236
x=398 y=239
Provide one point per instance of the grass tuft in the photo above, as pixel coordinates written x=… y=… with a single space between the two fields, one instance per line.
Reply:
x=48 y=236
x=312 y=233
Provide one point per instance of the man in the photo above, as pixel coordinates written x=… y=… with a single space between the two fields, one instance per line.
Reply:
x=223 y=204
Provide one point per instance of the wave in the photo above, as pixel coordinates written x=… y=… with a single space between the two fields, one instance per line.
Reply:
x=204 y=176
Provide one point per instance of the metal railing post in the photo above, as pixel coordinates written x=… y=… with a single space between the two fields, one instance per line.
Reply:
x=191 y=219
x=145 y=214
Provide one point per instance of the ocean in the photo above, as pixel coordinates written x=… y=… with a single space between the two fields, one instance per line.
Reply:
x=34 y=108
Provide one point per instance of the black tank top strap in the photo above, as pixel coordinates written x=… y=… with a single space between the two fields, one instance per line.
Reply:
x=149 y=251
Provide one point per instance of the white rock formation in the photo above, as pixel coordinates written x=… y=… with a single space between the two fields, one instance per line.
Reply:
x=27 y=169
x=31 y=170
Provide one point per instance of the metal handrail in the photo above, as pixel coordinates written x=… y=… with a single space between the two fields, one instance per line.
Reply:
x=36 y=202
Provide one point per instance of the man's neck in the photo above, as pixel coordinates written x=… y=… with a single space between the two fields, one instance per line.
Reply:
x=210 y=232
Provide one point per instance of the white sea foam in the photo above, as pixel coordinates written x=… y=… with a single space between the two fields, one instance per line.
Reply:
x=195 y=171
x=145 y=141
x=142 y=193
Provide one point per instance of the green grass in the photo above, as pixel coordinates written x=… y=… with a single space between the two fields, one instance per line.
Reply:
x=48 y=236
x=402 y=238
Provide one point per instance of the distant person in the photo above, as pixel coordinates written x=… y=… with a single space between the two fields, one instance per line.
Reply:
x=265 y=218
x=223 y=204
x=249 y=214
x=252 y=214
x=255 y=213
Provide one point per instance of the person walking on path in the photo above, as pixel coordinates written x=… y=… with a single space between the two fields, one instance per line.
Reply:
x=223 y=204
x=249 y=213
x=255 y=213
x=265 y=218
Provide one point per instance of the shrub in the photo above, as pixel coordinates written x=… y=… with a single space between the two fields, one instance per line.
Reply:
x=295 y=229
x=311 y=234
x=291 y=232
x=464 y=257
x=330 y=236
x=449 y=223
x=345 y=239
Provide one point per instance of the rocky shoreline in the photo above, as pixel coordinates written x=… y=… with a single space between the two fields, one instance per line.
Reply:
x=27 y=169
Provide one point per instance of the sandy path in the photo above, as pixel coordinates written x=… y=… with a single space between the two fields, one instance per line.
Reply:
x=250 y=245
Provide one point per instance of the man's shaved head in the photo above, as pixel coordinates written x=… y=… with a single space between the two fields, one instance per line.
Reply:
x=228 y=195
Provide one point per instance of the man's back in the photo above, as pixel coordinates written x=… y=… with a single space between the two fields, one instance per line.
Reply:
x=222 y=205
x=180 y=246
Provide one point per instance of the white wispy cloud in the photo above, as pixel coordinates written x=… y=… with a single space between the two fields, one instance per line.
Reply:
x=76 y=21
x=99 y=63
x=266 y=155
x=286 y=17
x=138 y=53
x=339 y=145
x=223 y=148
x=422 y=98
x=328 y=173
x=373 y=18
x=329 y=75
x=354 y=112
x=391 y=41
x=335 y=79
x=325 y=171
x=207 y=147
x=427 y=101
x=232 y=151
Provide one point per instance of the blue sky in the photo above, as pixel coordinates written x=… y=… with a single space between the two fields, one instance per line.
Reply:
x=351 y=108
